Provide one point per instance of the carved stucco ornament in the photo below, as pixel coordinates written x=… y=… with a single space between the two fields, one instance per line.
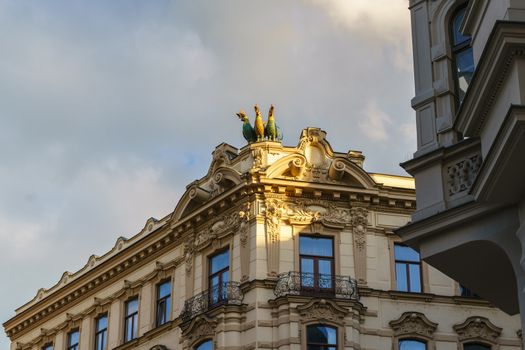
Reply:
x=244 y=218
x=159 y=347
x=189 y=252
x=322 y=310
x=307 y=212
x=274 y=211
x=220 y=227
x=359 y=221
x=477 y=328
x=200 y=328
x=413 y=324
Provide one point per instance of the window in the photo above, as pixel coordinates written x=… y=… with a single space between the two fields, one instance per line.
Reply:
x=48 y=346
x=131 y=320
x=465 y=292
x=72 y=340
x=321 y=337
x=163 y=302
x=408 y=269
x=219 y=276
x=475 y=346
x=207 y=345
x=317 y=263
x=412 y=344
x=463 y=59
x=101 y=332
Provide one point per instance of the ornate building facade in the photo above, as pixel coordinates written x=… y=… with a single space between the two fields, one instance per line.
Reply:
x=468 y=168
x=275 y=247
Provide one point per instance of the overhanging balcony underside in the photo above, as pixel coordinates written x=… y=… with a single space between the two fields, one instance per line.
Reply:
x=316 y=285
x=228 y=293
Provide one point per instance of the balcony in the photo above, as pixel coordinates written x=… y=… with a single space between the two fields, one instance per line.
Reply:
x=227 y=293
x=316 y=285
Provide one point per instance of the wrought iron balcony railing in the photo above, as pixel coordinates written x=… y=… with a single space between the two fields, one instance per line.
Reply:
x=322 y=285
x=227 y=293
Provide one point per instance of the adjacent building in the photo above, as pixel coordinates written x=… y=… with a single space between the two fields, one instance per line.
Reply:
x=469 y=169
x=276 y=247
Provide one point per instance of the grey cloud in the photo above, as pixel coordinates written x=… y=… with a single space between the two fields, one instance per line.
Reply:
x=108 y=109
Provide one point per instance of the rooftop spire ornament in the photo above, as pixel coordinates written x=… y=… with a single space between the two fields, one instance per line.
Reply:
x=260 y=131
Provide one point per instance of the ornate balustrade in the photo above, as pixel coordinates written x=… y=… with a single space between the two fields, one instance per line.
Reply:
x=228 y=293
x=309 y=284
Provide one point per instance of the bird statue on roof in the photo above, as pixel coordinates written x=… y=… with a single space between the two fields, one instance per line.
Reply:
x=259 y=125
x=247 y=129
x=271 y=128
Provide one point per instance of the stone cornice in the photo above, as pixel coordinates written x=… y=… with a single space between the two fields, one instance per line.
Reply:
x=428 y=159
x=415 y=231
x=506 y=42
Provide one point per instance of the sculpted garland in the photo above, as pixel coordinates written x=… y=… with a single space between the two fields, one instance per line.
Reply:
x=307 y=212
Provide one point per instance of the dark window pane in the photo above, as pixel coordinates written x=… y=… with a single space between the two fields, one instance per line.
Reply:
x=220 y=261
x=456 y=25
x=415 y=278
x=164 y=289
x=132 y=306
x=464 y=70
x=405 y=253
x=48 y=347
x=410 y=344
x=401 y=277
x=321 y=335
x=318 y=246
x=73 y=338
x=207 y=345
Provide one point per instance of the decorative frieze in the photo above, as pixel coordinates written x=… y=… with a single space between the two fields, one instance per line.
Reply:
x=461 y=174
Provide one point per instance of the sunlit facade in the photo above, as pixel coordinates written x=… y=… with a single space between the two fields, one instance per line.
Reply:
x=275 y=247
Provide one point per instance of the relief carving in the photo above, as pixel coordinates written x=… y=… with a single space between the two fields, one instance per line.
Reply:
x=461 y=175
x=322 y=310
x=479 y=328
x=244 y=218
x=199 y=329
x=359 y=221
x=275 y=209
x=413 y=324
x=189 y=252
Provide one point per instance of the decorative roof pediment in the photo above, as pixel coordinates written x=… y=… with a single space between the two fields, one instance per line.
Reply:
x=221 y=176
x=477 y=328
x=315 y=161
x=413 y=324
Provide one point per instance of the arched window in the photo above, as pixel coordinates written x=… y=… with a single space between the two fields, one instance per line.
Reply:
x=206 y=345
x=321 y=337
x=475 y=346
x=463 y=60
x=412 y=344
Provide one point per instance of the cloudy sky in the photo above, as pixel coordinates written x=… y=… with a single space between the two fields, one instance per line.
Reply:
x=109 y=108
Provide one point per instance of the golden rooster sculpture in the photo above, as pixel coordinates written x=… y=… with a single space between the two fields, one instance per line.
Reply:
x=260 y=130
x=259 y=125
